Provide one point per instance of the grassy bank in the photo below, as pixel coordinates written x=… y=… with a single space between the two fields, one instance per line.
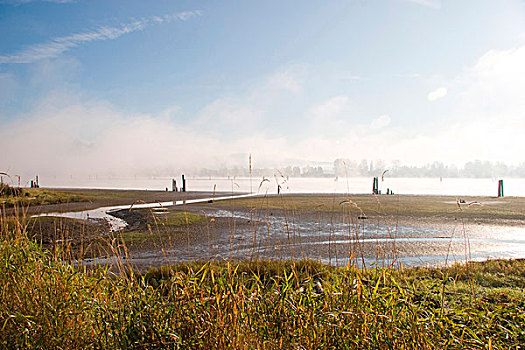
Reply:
x=158 y=226
x=23 y=197
x=47 y=303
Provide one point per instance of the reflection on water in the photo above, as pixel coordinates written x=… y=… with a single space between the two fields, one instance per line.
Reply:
x=366 y=243
x=363 y=242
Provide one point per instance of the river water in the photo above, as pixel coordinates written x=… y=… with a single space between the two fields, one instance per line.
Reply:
x=418 y=186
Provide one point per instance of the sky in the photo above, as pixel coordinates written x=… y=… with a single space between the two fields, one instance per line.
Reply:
x=135 y=87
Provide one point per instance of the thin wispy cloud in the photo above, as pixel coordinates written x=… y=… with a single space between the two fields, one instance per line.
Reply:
x=57 y=46
x=19 y=2
x=350 y=77
x=408 y=76
x=437 y=94
x=428 y=3
x=380 y=122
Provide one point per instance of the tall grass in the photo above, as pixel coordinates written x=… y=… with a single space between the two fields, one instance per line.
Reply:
x=49 y=301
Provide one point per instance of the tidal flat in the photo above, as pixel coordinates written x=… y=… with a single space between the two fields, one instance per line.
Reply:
x=336 y=229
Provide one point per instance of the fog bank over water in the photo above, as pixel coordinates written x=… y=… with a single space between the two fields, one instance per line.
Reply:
x=72 y=137
x=67 y=133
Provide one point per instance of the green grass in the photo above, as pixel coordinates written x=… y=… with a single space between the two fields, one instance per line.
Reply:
x=125 y=196
x=180 y=219
x=47 y=303
x=156 y=227
x=37 y=196
x=138 y=236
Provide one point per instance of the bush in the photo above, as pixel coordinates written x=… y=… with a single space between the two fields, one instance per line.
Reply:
x=8 y=191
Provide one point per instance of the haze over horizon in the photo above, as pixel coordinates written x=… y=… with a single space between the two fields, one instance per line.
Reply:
x=130 y=87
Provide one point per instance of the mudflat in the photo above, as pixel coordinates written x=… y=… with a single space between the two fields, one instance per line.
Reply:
x=331 y=228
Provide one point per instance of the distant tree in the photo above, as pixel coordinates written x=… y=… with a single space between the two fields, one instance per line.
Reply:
x=363 y=168
x=341 y=166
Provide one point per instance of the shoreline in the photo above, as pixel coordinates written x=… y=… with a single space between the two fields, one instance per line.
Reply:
x=98 y=198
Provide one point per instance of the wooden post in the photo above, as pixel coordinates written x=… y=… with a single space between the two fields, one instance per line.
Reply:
x=173 y=185
x=183 y=184
x=36 y=182
x=500 y=188
x=375 y=186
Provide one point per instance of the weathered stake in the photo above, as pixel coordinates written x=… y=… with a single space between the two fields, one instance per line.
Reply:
x=500 y=188
x=375 y=186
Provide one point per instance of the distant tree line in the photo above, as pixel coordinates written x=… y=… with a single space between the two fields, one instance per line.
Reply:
x=351 y=168
x=288 y=171
x=474 y=169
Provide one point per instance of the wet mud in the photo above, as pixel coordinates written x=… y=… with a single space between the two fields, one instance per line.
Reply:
x=337 y=237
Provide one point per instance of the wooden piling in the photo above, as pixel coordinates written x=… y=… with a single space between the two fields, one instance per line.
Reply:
x=375 y=186
x=183 y=184
x=500 y=188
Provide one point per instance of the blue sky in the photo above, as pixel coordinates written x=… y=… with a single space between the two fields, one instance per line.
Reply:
x=133 y=86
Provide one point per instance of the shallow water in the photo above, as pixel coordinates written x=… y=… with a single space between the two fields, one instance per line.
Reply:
x=364 y=242
x=368 y=243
